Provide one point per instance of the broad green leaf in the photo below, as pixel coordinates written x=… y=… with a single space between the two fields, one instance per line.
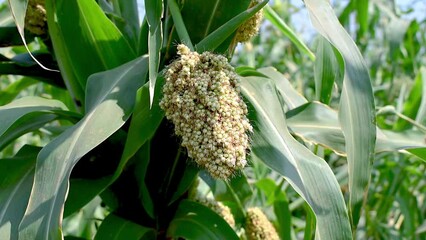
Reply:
x=194 y=221
x=25 y=114
x=117 y=228
x=6 y=18
x=85 y=42
x=154 y=11
x=291 y=97
x=419 y=152
x=30 y=122
x=308 y=174
x=213 y=40
x=16 y=179
x=109 y=103
x=273 y=17
x=328 y=69
x=317 y=123
x=357 y=110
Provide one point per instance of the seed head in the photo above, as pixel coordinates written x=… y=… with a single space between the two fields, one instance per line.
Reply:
x=219 y=208
x=251 y=27
x=202 y=99
x=258 y=227
x=35 y=18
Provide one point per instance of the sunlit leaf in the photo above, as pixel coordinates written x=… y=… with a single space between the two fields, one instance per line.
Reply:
x=329 y=69
x=16 y=179
x=357 y=109
x=154 y=11
x=308 y=174
x=85 y=42
x=319 y=124
x=110 y=101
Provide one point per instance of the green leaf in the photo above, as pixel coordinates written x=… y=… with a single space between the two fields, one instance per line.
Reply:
x=357 y=110
x=273 y=17
x=194 y=221
x=283 y=213
x=154 y=11
x=308 y=174
x=270 y=189
x=117 y=228
x=16 y=179
x=419 y=152
x=6 y=18
x=213 y=40
x=328 y=69
x=362 y=16
x=85 y=41
x=110 y=101
x=291 y=97
x=415 y=100
x=317 y=123
x=24 y=115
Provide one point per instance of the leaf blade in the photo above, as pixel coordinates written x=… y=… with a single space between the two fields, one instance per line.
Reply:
x=110 y=101
x=357 y=110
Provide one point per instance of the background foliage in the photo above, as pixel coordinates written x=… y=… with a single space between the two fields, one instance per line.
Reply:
x=338 y=148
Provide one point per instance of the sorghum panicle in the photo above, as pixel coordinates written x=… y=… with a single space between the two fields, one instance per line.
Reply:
x=251 y=27
x=202 y=99
x=258 y=227
x=35 y=18
x=220 y=209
